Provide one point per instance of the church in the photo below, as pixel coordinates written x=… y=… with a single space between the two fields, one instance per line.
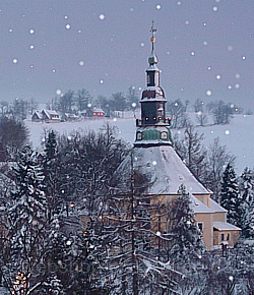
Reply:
x=155 y=157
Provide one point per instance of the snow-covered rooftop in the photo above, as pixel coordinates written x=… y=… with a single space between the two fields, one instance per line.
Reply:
x=165 y=170
x=199 y=207
x=224 y=226
x=217 y=208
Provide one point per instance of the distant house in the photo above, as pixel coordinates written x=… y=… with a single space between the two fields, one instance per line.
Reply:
x=47 y=116
x=98 y=113
x=70 y=117
x=37 y=117
x=50 y=116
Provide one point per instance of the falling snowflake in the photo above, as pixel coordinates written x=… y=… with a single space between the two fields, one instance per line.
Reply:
x=227 y=132
x=101 y=16
x=115 y=119
x=187 y=22
x=209 y=68
x=237 y=85
x=192 y=53
x=10 y=30
x=231 y=278
x=237 y=76
x=229 y=87
x=31 y=47
x=158 y=6
x=131 y=9
x=58 y=91
x=218 y=77
x=53 y=70
x=66 y=17
x=133 y=104
x=158 y=233
x=243 y=57
x=101 y=81
x=81 y=63
x=154 y=163
x=208 y=92
x=178 y=2
x=89 y=105
x=15 y=60
x=68 y=243
x=205 y=43
x=215 y=8
x=204 y=24
x=31 y=31
x=211 y=131
x=230 y=48
x=142 y=44
x=67 y=26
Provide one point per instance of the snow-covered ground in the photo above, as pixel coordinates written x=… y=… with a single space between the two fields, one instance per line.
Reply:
x=238 y=136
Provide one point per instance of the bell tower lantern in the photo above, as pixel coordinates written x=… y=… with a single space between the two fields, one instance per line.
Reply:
x=153 y=128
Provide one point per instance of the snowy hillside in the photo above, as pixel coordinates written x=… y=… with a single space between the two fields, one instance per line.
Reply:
x=236 y=136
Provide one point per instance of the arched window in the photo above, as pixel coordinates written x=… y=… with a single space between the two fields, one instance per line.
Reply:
x=139 y=136
x=164 y=135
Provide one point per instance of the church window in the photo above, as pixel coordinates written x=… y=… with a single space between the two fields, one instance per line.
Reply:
x=164 y=135
x=139 y=135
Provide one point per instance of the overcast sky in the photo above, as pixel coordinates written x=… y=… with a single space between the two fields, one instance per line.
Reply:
x=205 y=47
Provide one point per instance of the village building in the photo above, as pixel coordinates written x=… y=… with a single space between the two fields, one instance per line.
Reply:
x=98 y=113
x=155 y=157
x=48 y=116
x=70 y=117
x=37 y=116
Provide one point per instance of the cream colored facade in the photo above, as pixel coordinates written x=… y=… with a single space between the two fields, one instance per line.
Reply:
x=210 y=217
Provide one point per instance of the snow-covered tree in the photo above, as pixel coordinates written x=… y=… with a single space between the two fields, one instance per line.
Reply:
x=246 y=187
x=230 y=197
x=28 y=216
x=193 y=152
x=218 y=158
x=187 y=246
x=52 y=172
x=52 y=286
x=177 y=110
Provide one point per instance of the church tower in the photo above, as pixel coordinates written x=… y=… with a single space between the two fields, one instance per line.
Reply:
x=153 y=128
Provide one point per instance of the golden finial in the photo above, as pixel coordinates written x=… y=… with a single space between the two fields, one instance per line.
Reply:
x=153 y=31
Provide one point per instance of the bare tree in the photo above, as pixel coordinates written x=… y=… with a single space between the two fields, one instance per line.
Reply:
x=13 y=135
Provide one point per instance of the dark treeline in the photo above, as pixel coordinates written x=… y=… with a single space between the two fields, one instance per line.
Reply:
x=81 y=101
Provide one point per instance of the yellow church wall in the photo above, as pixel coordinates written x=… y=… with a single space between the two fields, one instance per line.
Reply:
x=231 y=240
x=207 y=231
x=220 y=216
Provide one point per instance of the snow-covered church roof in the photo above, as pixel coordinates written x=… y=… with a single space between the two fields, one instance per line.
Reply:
x=164 y=169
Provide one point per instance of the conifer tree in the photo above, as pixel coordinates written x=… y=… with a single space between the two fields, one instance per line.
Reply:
x=187 y=245
x=27 y=212
x=246 y=187
x=52 y=172
x=230 y=197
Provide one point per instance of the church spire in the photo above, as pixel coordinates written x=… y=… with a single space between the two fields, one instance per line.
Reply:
x=153 y=126
x=152 y=60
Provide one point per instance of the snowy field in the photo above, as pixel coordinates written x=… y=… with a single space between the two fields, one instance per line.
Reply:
x=237 y=136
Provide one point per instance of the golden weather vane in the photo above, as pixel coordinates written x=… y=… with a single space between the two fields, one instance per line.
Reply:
x=153 y=39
